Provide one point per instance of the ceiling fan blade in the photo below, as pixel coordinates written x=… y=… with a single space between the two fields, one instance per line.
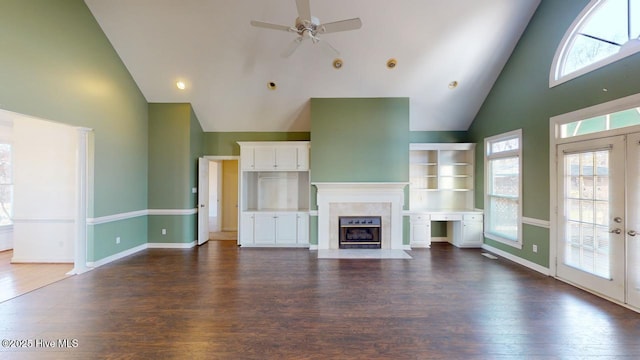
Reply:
x=342 y=25
x=304 y=9
x=330 y=50
x=265 y=25
x=292 y=47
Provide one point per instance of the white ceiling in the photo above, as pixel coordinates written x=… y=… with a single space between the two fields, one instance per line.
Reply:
x=226 y=63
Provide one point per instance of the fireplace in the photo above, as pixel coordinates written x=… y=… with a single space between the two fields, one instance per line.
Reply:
x=360 y=232
x=360 y=200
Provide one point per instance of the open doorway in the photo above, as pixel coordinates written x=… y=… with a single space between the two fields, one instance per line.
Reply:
x=223 y=198
x=38 y=197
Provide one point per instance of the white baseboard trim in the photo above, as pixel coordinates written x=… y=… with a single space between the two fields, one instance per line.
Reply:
x=139 y=248
x=117 y=256
x=420 y=245
x=406 y=247
x=440 y=239
x=313 y=247
x=526 y=263
x=15 y=260
x=171 y=245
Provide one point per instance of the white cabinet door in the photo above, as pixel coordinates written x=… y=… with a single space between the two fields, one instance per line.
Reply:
x=264 y=228
x=472 y=231
x=303 y=158
x=247 y=161
x=469 y=231
x=303 y=229
x=420 y=231
x=286 y=228
x=264 y=158
x=246 y=229
x=286 y=158
x=281 y=157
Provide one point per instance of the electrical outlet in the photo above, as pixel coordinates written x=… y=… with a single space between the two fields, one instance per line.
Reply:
x=164 y=231
x=535 y=248
x=118 y=240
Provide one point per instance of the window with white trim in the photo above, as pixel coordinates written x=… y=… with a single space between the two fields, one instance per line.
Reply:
x=503 y=188
x=606 y=31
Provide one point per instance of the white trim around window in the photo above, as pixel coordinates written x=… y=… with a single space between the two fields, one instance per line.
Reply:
x=505 y=230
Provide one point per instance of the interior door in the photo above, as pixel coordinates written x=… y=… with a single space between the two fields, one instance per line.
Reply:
x=633 y=220
x=203 y=200
x=591 y=215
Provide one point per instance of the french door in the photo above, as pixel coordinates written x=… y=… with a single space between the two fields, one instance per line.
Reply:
x=598 y=216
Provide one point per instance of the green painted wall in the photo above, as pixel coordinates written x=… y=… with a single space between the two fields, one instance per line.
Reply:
x=359 y=140
x=57 y=64
x=521 y=98
x=438 y=137
x=180 y=228
x=104 y=243
x=175 y=143
x=224 y=143
x=169 y=156
x=348 y=136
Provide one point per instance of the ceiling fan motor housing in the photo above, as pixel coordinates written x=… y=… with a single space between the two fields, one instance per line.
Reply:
x=309 y=26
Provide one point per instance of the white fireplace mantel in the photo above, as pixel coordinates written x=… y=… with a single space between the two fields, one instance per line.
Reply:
x=385 y=199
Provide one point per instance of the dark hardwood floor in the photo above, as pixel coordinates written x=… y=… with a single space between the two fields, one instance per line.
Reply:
x=222 y=302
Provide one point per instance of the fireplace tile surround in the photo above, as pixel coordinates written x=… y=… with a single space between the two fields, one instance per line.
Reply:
x=384 y=199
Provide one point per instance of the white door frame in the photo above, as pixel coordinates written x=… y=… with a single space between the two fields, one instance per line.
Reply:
x=227 y=157
x=203 y=200
x=554 y=140
x=83 y=190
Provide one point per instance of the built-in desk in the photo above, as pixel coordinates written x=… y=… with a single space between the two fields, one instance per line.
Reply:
x=464 y=227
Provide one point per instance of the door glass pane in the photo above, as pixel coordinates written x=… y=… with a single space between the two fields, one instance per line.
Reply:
x=586 y=235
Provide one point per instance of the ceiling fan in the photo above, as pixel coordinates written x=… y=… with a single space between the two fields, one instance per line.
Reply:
x=308 y=27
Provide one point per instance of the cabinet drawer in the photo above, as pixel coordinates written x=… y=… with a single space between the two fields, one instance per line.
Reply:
x=420 y=219
x=446 y=217
x=473 y=218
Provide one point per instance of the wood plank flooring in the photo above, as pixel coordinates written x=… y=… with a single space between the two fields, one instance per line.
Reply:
x=219 y=301
x=18 y=279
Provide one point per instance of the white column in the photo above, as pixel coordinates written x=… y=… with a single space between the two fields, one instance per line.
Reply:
x=82 y=176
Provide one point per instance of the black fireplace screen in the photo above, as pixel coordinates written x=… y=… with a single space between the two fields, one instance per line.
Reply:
x=360 y=232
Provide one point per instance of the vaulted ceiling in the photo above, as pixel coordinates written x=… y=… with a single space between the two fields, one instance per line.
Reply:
x=226 y=64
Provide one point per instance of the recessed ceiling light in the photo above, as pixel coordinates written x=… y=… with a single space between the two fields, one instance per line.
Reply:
x=453 y=84
x=271 y=85
x=181 y=85
x=337 y=63
x=391 y=63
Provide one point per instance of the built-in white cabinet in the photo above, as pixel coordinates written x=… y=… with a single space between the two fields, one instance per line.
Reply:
x=420 y=230
x=468 y=232
x=441 y=184
x=275 y=156
x=274 y=196
x=441 y=176
x=275 y=229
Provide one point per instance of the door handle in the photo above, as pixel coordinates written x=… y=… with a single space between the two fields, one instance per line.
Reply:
x=632 y=233
x=616 y=231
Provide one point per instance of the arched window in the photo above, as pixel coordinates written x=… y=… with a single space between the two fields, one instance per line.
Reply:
x=605 y=31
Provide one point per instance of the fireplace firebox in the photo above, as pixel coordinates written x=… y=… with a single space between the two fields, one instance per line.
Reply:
x=359 y=232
